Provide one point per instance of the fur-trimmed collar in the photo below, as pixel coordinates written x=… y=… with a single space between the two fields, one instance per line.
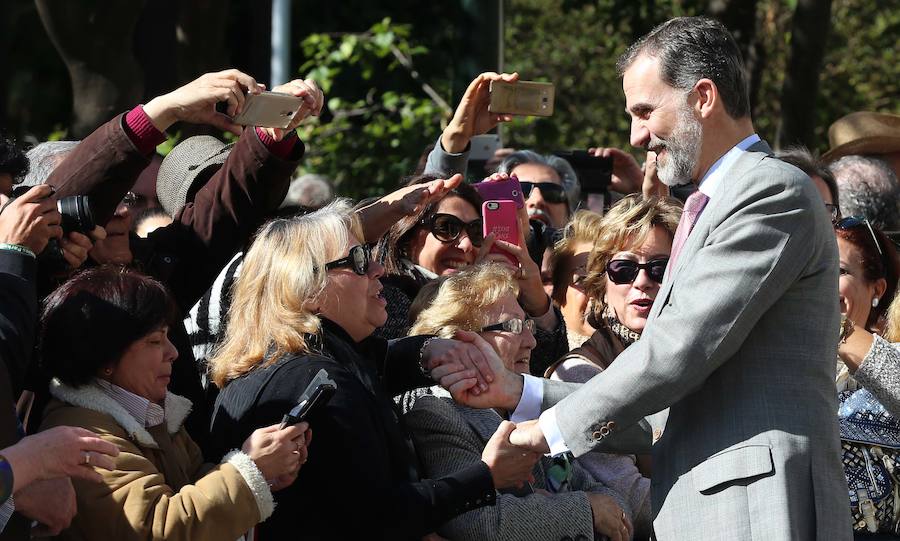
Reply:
x=91 y=397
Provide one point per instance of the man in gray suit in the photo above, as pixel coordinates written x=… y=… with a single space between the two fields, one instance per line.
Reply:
x=741 y=341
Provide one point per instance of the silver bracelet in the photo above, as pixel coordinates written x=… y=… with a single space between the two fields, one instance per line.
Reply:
x=425 y=370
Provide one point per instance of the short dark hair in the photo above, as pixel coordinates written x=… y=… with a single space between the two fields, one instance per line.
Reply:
x=800 y=157
x=12 y=159
x=694 y=48
x=90 y=321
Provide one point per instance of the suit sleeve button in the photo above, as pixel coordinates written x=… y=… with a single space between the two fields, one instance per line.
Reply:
x=596 y=435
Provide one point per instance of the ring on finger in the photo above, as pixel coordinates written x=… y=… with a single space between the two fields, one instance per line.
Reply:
x=87 y=459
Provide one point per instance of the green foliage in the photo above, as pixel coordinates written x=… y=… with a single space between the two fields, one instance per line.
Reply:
x=372 y=132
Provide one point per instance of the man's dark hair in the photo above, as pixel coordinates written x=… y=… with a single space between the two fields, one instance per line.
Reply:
x=694 y=48
x=800 y=157
x=90 y=321
x=12 y=159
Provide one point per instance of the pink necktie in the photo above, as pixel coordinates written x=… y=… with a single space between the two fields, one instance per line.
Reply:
x=694 y=205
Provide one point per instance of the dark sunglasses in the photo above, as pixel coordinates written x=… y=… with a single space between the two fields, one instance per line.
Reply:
x=852 y=222
x=624 y=271
x=551 y=192
x=358 y=259
x=447 y=228
x=515 y=326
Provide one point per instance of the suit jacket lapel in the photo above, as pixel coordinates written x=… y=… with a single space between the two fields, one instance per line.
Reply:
x=697 y=238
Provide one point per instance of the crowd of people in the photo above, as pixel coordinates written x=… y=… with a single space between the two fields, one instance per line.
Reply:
x=710 y=357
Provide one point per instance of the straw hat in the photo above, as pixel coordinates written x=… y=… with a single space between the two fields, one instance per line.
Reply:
x=863 y=133
x=191 y=162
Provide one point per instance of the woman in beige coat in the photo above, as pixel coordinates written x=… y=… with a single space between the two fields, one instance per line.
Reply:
x=112 y=380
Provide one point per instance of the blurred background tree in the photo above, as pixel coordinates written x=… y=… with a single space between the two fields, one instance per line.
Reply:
x=393 y=69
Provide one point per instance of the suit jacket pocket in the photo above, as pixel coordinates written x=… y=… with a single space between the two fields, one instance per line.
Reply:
x=736 y=466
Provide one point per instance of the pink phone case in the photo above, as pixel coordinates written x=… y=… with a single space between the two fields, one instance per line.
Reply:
x=509 y=190
x=500 y=218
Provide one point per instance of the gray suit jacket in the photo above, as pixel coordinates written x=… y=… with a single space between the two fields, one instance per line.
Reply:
x=449 y=437
x=740 y=346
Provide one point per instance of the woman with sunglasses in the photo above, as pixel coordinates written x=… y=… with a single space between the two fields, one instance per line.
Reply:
x=868 y=375
x=623 y=276
x=308 y=298
x=563 y=501
x=446 y=237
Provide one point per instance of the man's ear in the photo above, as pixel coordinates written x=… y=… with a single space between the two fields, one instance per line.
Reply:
x=707 y=97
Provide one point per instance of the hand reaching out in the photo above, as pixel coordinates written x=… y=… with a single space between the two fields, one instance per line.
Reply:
x=313 y=101
x=472 y=117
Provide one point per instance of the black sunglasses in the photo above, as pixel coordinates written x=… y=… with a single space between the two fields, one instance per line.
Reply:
x=447 y=228
x=852 y=222
x=358 y=259
x=552 y=192
x=624 y=271
x=515 y=326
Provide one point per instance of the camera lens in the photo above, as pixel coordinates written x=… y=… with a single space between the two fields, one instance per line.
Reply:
x=76 y=214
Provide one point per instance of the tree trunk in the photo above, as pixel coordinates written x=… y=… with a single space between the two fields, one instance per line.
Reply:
x=739 y=16
x=95 y=40
x=809 y=35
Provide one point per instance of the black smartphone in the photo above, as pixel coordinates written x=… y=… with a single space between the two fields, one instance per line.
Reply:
x=594 y=173
x=314 y=397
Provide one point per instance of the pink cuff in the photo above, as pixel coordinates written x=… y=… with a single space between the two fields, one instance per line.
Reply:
x=281 y=149
x=141 y=131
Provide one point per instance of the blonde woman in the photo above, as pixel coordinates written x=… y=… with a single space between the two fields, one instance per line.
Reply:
x=568 y=264
x=309 y=298
x=449 y=436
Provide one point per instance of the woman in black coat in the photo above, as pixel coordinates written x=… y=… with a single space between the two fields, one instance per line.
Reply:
x=309 y=298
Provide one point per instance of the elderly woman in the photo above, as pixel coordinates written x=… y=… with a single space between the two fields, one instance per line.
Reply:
x=309 y=298
x=445 y=237
x=623 y=276
x=105 y=344
x=449 y=436
x=568 y=269
x=868 y=377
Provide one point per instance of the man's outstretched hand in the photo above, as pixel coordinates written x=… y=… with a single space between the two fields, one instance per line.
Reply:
x=528 y=435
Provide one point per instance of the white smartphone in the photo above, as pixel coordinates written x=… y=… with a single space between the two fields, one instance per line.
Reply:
x=484 y=146
x=269 y=110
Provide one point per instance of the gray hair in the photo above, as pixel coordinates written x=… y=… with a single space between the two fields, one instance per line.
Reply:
x=566 y=173
x=694 y=48
x=309 y=191
x=43 y=159
x=868 y=188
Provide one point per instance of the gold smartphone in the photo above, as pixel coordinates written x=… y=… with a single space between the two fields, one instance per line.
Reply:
x=269 y=110
x=530 y=98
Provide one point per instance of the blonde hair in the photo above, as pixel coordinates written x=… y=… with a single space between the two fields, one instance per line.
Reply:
x=281 y=277
x=462 y=299
x=627 y=224
x=585 y=227
x=892 y=320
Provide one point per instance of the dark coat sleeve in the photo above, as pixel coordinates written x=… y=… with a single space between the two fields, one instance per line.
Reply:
x=189 y=253
x=18 y=319
x=104 y=166
x=356 y=453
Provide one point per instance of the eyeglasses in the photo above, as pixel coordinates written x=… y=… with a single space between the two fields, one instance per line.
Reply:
x=852 y=222
x=447 y=228
x=834 y=210
x=551 y=192
x=624 y=271
x=358 y=259
x=515 y=326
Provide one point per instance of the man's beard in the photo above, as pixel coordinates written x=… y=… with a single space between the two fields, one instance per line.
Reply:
x=682 y=149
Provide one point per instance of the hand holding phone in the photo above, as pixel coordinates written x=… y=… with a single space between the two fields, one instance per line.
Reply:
x=501 y=220
x=502 y=190
x=314 y=397
x=268 y=110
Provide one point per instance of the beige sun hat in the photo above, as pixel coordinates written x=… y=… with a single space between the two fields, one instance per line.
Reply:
x=191 y=162
x=863 y=132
